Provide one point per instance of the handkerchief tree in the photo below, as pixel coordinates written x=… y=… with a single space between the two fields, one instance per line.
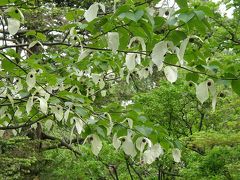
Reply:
x=57 y=59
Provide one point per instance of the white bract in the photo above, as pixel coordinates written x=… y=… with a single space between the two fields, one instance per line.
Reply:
x=202 y=92
x=13 y=26
x=116 y=142
x=181 y=51
x=58 y=112
x=171 y=73
x=141 y=142
x=158 y=52
x=150 y=155
x=176 y=153
x=96 y=144
x=131 y=61
x=84 y=54
x=48 y=124
x=78 y=124
x=31 y=79
x=92 y=11
x=113 y=41
x=138 y=39
x=43 y=105
x=29 y=104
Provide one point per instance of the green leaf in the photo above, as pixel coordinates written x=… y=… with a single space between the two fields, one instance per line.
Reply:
x=177 y=36
x=192 y=77
x=185 y=17
x=3 y=2
x=206 y=10
x=8 y=66
x=200 y=14
x=236 y=86
x=182 y=3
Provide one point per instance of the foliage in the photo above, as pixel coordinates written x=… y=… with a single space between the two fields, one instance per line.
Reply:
x=62 y=64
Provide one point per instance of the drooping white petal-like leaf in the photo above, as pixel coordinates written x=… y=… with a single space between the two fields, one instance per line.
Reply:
x=18 y=85
x=43 y=105
x=157 y=150
x=158 y=52
x=211 y=87
x=103 y=93
x=214 y=102
x=101 y=84
x=14 y=132
x=109 y=129
x=130 y=122
x=18 y=113
x=58 y=112
x=148 y=157
x=102 y=7
x=181 y=52
x=96 y=144
x=66 y=114
x=176 y=153
x=128 y=147
x=31 y=80
x=213 y=92
x=92 y=11
x=95 y=78
x=171 y=73
x=1 y=133
x=32 y=44
x=139 y=39
x=202 y=92
x=127 y=78
x=29 y=104
x=3 y=109
x=10 y=99
x=13 y=26
x=113 y=41
x=116 y=142
x=48 y=124
x=131 y=61
x=141 y=142
x=79 y=125
x=84 y=54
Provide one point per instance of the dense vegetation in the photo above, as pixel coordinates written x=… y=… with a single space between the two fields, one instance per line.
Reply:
x=134 y=89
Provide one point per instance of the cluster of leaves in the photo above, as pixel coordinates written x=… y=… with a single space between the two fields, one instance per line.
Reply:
x=57 y=63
